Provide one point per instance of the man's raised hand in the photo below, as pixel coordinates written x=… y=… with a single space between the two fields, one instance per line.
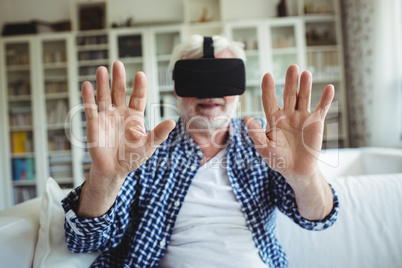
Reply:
x=117 y=139
x=293 y=138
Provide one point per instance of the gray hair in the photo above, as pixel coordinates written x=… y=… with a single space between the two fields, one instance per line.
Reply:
x=192 y=48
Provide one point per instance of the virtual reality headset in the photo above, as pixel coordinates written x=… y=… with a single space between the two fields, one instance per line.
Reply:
x=209 y=77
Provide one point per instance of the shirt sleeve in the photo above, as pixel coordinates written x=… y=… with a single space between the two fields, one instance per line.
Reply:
x=101 y=233
x=286 y=202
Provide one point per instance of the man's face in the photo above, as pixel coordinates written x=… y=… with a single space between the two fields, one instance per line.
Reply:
x=211 y=113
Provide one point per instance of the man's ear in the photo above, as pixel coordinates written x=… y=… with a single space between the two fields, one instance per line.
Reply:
x=174 y=91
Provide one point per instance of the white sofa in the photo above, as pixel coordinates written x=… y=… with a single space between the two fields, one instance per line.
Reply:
x=368 y=232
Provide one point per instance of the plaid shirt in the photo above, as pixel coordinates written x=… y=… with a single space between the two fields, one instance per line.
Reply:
x=136 y=231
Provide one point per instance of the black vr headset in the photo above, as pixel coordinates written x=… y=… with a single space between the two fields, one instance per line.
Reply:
x=209 y=77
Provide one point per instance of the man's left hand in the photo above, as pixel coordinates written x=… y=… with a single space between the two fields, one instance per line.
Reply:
x=293 y=138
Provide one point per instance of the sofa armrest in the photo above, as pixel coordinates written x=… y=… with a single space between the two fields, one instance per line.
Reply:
x=19 y=227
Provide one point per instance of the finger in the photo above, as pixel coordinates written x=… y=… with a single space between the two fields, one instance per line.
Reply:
x=290 y=91
x=325 y=101
x=102 y=88
x=269 y=101
x=255 y=131
x=138 y=97
x=88 y=99
x=160 y=133
x=119 y=84
x=304 y=96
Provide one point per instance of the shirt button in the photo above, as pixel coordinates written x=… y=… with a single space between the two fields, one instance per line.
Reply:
x=200 y=154
x=177 y=203
x=162 y=243
x=193 y=167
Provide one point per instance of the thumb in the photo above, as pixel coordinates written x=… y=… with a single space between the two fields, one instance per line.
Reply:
x=256 y=132
x=160 y=133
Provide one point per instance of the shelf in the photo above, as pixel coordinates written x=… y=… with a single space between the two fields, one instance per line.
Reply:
x=22 y=155
x=97 y=62
x=163 y=57
x=329 y=17
x=326 y=79
x=21 y=128
x=92 y=47
x=83 y=78
x=19 y=98
x=284 y=51
x=131 y=60
x=59 y=153
x=166 y=89
x=325 y=48
x=252 y=53
x=55 y=65
x=56 y=78
x=52 y=96
x=63 y=180
x=18 y=68
x=333 y=137
x=57 y=126
x=253 y=83
x=24 y=183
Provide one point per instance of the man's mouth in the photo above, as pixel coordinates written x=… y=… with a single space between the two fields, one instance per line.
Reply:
x=209 y=105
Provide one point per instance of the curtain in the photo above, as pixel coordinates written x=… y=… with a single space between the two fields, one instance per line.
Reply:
x=372 y=45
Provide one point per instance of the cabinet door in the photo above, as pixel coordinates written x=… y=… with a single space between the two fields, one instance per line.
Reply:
x=164 y=40
x=18 y=85
x=93 y=50
x=249 y=35
x=286 y=47
x=324 y=60
x=55 y=86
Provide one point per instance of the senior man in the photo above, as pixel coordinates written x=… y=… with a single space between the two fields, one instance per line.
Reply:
x=202 y=192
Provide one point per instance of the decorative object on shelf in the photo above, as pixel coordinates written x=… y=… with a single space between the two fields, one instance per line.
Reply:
x=204 y=15
x=281 y=9
x=315 y=38
x=34 y=27
x=308 y=8
x=19 y=28
x=129 y=22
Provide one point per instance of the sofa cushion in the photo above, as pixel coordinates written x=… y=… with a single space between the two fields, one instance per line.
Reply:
x=19 y=227
x=51 y=249
x=367 y=233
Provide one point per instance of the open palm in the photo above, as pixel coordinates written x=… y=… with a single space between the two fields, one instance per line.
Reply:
x=117 y=140
x=293 y=138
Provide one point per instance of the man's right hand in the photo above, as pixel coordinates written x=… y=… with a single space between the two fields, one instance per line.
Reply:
x=117 y=139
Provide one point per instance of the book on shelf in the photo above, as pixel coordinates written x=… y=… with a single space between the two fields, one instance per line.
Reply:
x=22 y=194
x=20 y=116
x=165 y=77
x=61 y=171
x=20 y=87
x=57 y=114
x=58 y=143
x=92 y=40
x=56 y=86
x=23 y=169
x=21 y=142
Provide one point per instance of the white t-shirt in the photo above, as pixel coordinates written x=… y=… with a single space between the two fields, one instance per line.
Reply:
x=211 y=230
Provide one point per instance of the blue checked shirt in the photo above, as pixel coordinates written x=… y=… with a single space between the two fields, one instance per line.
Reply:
x=135 y=232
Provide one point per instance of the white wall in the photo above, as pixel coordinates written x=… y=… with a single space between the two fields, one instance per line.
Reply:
x=386 y=115
x=141 y=10
x=25 y=10
x=119 y=10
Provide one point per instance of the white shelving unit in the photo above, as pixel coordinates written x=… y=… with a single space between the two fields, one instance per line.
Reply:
x=313 y=42
x=164 y=39
x=55 y=65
